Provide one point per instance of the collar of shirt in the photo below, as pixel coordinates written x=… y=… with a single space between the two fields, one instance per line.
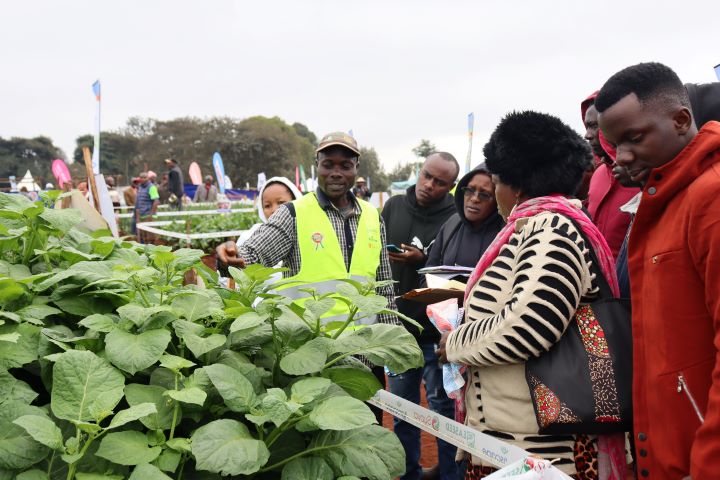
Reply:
x=325 y=202
x=632 y=206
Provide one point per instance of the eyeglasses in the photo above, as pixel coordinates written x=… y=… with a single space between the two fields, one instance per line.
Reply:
x=481 y=195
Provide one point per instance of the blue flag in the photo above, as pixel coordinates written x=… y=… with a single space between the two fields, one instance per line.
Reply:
x=219 y=171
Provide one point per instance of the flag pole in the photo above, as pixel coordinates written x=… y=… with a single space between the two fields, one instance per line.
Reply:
x=96 y=142
x=471 y=122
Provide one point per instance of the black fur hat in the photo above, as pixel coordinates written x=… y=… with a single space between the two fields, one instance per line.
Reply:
x=538 y=154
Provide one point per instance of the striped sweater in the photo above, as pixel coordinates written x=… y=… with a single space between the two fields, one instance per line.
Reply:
x=518 y=309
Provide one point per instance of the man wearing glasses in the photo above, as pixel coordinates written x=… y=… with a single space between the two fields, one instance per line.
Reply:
x=413 y=221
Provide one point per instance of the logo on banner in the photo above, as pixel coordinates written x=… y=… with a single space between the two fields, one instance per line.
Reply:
x=427 y=420
x=466 y=435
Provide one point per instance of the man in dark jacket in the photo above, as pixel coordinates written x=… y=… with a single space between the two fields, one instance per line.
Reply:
x=413 y=220
x=175 y=183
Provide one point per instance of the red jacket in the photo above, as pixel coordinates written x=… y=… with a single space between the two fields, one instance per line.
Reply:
x=674 y=266
x=605 y=198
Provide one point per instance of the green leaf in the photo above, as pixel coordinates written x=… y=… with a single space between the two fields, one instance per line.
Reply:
x=360 y=384
x=63 y=219
x=10 y=316
x=18 y=450
x=319 y=307
x=127 y=448
x=83 y=306
x=9 y=337
x=247 y=321
x=33 y=474
x=42 y=430
x=148 y=472
x=10 y=291
x=83 y=383
x=201 y=345
x=98 y=323
x=372 y=452
x=342 y=413
x=179 y=444
x=37 y=312
x=103 y=248
x=169 y=460
x=236 y=390
x=139 y=314
x=187 y=395
x=175 y=363
x=24 y=350
x=307 y=468
x=193 y=305
x=14 y=271
x=136 y=412
x=309 y=358
x=12 y=390
x=85 y=272
x=307 y=389
x=383 y=344
x=368 y=305
x=97 y=476
x=134 y=353
x=137 y=394
x=226 y=447
x=186 y=258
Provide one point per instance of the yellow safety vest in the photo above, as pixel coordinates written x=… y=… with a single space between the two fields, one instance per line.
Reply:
x=321 y=259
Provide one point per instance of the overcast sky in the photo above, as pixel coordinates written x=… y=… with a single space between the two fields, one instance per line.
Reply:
x=392 y=71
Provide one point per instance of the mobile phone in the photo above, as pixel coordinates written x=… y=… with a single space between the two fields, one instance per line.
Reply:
x=394 y=248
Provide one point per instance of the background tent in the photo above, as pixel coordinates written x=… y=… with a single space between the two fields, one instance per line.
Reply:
x=29 y=183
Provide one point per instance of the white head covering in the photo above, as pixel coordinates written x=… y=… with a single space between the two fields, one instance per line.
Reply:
x=291 y=186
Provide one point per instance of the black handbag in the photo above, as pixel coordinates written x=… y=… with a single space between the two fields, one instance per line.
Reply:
x=583 y=384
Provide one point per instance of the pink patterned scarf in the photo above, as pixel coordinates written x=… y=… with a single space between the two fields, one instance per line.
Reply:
x=611 y=448
x=555 y=204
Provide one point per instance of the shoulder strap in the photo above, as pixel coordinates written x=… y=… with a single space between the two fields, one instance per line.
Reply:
x=603 y=285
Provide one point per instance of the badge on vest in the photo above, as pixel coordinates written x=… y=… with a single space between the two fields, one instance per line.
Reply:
x=317 y=239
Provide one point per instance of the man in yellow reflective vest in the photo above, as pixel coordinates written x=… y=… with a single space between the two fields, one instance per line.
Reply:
x=324 y=236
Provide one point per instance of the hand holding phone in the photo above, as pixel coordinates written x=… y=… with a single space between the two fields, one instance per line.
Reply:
x=394 y=248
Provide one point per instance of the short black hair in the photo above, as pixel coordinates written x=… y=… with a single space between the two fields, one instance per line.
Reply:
x=338 y=149
x=652 y=83
x=448 y=157
x=538 y=154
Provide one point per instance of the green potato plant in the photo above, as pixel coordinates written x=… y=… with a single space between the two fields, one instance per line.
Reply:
x=111 y=367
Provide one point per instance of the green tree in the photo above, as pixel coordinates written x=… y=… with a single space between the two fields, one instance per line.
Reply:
x=402 y=172
x=372 y=170
x=424 y=148
x=19 y=154
x=118 y=151
x=304 y=131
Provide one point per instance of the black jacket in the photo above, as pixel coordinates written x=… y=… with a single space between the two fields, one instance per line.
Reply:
x=458 y=243
x=176 y=181
x=404 y=220
x=705 y=102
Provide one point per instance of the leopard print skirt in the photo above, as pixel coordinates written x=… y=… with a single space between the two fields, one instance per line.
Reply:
x=585 y=455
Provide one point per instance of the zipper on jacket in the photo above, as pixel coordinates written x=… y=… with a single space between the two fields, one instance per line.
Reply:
x=682 y=386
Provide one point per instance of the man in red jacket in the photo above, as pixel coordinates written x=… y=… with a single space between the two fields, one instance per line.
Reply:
x=606 y=194
x=674 y=262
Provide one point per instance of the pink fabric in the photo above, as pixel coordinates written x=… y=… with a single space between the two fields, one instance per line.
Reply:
x=555 y=204
x=611 y=448
x=605 y=197
x=607 y=146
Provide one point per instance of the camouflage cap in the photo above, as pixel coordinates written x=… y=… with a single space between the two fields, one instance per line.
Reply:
x=338 y=138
